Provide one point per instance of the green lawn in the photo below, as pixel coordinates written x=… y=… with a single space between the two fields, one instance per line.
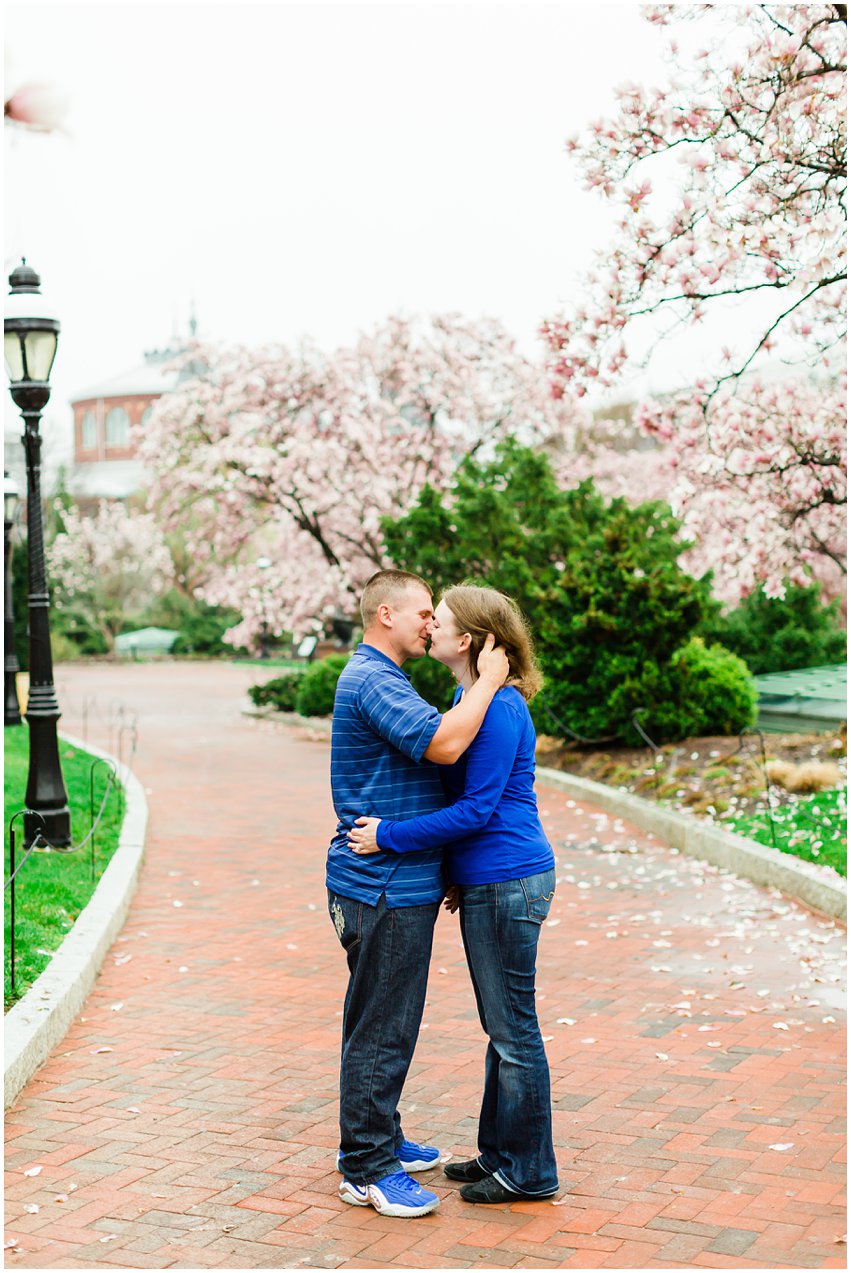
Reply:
x=52 y=888
x=810 y=827
x=273 y=662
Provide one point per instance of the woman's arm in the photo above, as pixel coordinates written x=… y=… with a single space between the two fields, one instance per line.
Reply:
x=490 y=760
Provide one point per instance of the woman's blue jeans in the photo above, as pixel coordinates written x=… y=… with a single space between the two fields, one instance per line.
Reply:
x=500 y=925
x=388 y=954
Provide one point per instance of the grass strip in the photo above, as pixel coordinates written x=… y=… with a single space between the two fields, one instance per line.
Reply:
x=812 y=828
x=52 y=888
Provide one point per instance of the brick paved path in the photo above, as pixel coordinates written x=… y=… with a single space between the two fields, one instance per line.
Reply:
x=694 y=1028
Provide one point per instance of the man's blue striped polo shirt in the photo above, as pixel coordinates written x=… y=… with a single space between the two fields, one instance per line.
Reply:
x=380 y=731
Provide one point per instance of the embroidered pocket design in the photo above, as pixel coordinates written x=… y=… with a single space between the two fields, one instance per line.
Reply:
x=339 y=919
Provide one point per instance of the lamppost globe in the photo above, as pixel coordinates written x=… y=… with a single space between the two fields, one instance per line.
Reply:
x=30 y=335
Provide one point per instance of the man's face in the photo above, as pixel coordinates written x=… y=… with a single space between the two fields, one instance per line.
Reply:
x=412 y=617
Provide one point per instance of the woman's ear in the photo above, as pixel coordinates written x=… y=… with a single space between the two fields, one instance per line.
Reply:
x=464 y=642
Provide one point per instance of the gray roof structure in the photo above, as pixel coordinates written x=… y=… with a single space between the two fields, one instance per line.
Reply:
x=157 y=374
x=805 y=701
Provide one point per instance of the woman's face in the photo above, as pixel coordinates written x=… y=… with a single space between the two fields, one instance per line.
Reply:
x=445 y=637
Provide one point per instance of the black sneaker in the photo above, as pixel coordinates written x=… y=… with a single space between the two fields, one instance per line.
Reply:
x=490 y=1190
x=468 y=1172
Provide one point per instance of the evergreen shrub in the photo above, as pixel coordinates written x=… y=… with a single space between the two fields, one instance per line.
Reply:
x=779 y=635
x=711 y=692
x=315 y=696
x=281 y=692
x=599 y=581
x=432 y=681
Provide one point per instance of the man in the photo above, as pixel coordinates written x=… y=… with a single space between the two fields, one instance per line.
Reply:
x=384 y=907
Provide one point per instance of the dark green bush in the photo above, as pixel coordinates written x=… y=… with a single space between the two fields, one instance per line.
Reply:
x=315 y=695
x=432 y=681
x=774 y=635
x=710 y=691
x=281 y=692
x=599 y=582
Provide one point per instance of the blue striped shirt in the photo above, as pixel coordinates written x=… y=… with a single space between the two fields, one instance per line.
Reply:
x=381 y=729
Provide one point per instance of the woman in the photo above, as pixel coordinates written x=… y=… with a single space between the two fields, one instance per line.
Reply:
x=503 y=874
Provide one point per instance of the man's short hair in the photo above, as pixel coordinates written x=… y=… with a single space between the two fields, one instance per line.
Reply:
x=385 y=588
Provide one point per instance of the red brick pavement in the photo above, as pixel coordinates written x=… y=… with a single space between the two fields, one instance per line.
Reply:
x=693 y=1024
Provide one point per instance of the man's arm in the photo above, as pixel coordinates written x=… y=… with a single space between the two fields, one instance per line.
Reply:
x=459 y=726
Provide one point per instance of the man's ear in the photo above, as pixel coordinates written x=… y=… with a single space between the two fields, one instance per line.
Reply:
x=384 y=615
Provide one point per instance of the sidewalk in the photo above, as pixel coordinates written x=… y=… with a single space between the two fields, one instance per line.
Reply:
x=694 y=1024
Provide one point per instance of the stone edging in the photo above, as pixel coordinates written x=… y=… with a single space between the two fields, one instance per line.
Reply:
x=816 y=886
x=39 y=1020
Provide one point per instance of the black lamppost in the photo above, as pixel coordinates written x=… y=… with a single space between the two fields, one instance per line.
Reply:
x=30 y=338
x=12 y=708
x=263 y=564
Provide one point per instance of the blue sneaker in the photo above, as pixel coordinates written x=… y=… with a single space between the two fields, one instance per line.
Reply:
x=412 y=1156
x=394 y=1195
x=355 y=1195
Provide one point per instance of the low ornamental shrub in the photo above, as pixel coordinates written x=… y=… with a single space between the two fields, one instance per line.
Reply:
x=710 y=691
x=281 y=692
x=315 y=696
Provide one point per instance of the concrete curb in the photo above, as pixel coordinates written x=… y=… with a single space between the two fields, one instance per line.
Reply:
x=41 y=1018
x=322 y=723
x=816 y=886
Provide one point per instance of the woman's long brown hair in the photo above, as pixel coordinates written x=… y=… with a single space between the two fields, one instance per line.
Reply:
x=479 y=610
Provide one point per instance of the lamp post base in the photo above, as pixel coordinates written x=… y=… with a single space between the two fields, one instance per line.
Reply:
x=46 y=795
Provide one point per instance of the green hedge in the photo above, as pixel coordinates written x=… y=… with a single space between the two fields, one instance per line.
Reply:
x=315 y=696
x=779 y=635
x=710 y=691
x=281 y=692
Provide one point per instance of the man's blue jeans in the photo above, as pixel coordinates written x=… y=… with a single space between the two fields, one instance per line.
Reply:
x=500 y=925
x=388 y=954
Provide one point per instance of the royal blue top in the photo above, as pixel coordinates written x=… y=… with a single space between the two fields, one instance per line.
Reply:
x=492 y=828
x=380 y=732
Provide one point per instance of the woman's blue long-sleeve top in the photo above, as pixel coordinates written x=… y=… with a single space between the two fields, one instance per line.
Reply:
x=492 y=830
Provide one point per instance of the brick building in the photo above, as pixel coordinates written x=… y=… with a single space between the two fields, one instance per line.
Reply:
x=106 y=465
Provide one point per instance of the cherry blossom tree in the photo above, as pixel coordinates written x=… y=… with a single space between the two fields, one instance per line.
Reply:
x=729 y=183
x=295 y=455
x=105 y=568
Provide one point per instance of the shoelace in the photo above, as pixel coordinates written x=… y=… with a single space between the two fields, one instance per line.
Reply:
x=401 y=1180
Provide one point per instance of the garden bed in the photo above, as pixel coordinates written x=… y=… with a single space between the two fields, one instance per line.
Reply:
x=729 y=781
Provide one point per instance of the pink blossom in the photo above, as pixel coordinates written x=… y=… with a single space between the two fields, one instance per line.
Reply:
x=296 y=455
x=39 y=106
x=756 y=212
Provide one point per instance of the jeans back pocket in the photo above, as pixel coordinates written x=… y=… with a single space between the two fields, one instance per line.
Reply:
x=539 y=891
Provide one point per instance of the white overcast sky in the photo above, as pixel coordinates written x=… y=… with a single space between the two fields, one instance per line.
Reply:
x=307 y=168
